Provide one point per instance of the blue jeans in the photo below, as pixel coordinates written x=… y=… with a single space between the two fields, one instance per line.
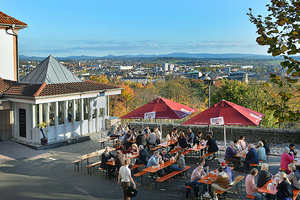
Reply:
x=257 y=195
x=204 y=185
x=175 y=168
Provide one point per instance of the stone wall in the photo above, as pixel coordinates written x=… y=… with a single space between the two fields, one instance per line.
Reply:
x=252 y=134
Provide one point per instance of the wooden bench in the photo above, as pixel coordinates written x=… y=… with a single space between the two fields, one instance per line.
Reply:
x=236 y=181
x=189 y=187
x=296 y=193
x=250 y=197
x=92 y=166
x=221 y=149
x=76 y=164
x=170 y=175
x=117 y=144
x=206 y=155
x=140 y=174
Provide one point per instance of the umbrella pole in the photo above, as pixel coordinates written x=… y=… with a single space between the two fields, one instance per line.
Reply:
x=160 y=127
x=142 y=125
x=224 y=135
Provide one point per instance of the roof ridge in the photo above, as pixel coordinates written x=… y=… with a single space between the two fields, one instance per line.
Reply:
x=40 y=89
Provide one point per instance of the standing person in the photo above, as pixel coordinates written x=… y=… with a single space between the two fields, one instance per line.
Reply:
x=230 y=156
x=242 y=142
x=105 y=157
x=251 y=158
x=261 y=152
x=141 y=139
x=286 y=159
x=284 y=187
x=220 y=183
x=190 y=137
x=146 y=130
x=212 y=146
x=182 y=141
x=251 y=189
x=125 y=178
x=237 y=146
x=294 y=177
x=197 y=174
x=158 y=135
x=119 y=159
x=198 y=138
x=266 y=146
x=228 y=171
x=180 y=162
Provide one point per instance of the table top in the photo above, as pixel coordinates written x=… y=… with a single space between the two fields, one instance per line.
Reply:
x=205 y=178
x=296 y=161
x=164 y=144
x=240 y=155
x=134 y=155
x=156 y=168
x=264 y=189
x=93 y=154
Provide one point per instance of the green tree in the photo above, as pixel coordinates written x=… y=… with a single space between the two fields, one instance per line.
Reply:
x=280 y=31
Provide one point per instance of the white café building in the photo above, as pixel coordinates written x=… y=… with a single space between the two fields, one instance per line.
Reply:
x=50 y=93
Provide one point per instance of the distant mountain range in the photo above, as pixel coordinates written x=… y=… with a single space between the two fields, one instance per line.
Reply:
x=172 y=55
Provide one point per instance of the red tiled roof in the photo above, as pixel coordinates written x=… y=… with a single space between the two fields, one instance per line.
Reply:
x=6 y=19
x=5 y=84
x=43 y=90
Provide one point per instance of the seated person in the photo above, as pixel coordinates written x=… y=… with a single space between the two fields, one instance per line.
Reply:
x=293 y=150
x=286 y=159
x=220 y=183
x=180 y=162
x=237 y=146
x=146 y=130
x=261 y=152
x=228 y=171
x=212 y=146
x=154 y=160
x=151 y=137
x=263 y=177
x=294 y=177
x=251 y=158
x=242 y=142
x=143 y=156
x=133 y=149
x=165 y=157
x=198 y=138
x=169 y=136
x=118 y=132
x=158 y=135
x=284 y=187
x=190 y=137
x=197 y=174
x=230 y=156
x=204 y=164
x=119 y=159
x=266 y=146
x=182 y=141
x=141 y=139
x=105 y=157
x=128 y=138
x=251 y=189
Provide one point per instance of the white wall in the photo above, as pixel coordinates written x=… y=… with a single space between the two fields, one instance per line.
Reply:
x=6 y=55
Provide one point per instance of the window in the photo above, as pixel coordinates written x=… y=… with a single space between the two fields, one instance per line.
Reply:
x=77 y=109
x=86 y=108
x=101 y=112
x=107 y=106
x=70 y=111
x=52 y=114
x=37 y=115
x=44 y=112
x=94 y=113
x=61 y=112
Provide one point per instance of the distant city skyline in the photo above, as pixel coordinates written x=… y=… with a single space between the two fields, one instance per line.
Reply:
x=101 y=28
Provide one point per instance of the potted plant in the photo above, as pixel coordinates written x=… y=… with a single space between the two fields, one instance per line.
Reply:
x=43 y=125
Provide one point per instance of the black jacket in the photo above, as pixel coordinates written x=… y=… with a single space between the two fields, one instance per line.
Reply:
x=285 y=190
x=263 y=178
x=105 y=157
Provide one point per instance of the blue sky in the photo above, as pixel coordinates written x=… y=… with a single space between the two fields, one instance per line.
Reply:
x=100 y=28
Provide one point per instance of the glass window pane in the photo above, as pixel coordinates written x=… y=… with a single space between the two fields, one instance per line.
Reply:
x=52 y=113
x=44 y=112
x=94 y=113
x=101 y=112
x=61 y=112
x=86 y=106
x=70 y=111
x=77 y=109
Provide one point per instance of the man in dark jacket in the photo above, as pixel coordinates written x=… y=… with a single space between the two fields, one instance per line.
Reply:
x=212 y=146
x=263 y=177
x=143 y=156
x=105 y=157
x=141 y=139
x=230 y=156
x=119 y=159
x=190 y=137
x=251 y=158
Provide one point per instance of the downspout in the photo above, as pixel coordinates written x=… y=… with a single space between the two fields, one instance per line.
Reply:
x=17 y=48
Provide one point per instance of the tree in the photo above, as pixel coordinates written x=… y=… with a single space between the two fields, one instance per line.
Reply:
x=280 y=31
x=101 y=78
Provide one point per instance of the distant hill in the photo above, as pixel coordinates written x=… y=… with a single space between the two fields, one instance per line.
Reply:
x=173 y=55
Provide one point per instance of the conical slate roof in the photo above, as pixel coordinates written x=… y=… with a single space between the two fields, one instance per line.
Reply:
x=50 y=71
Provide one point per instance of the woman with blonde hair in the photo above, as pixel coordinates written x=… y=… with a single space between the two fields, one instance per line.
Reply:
x=284 y=187
x=182 y=140
x=261 y=152
x=286 y=159
x=294 y=177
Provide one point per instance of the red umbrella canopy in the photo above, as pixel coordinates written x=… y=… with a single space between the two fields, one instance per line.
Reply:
x=226 y=113
x=160 y=108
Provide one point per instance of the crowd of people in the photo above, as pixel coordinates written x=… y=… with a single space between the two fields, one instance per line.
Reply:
x=238 y=153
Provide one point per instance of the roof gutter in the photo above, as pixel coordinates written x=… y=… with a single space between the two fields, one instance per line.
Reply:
x=17 y=47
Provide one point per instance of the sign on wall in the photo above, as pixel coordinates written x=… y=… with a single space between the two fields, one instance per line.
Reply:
x=22 y=122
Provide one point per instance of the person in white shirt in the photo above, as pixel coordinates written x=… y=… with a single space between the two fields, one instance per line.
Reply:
x=125 y=178
x=158 y=135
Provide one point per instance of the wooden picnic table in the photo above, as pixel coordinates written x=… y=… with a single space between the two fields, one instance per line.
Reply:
x=112 y=162
x=240 y=155
x=296 y=162
x=205 y=179
x=164 y=145
x=264 y=189
x=157 y=167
